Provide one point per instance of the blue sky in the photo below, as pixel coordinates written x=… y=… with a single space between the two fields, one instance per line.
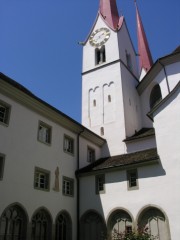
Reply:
x=38 y=42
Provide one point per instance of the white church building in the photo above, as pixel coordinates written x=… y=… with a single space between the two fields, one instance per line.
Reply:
x=116 y=172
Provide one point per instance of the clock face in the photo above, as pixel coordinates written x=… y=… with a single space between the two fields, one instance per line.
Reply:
x=99 y=37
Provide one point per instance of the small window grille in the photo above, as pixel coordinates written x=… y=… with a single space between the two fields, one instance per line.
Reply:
x=109 y=98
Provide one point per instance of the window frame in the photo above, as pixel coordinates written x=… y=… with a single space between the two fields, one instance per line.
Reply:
x=2 y=163
x=7 y=115
x=47 y=174
x=71 y=140
x=97 y=189
x=129 y=172
x=90 y=149
x=71 y=186
x=45 y=125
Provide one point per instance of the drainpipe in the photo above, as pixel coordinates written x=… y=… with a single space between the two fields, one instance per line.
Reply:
x=165 y=73
x=77 y=180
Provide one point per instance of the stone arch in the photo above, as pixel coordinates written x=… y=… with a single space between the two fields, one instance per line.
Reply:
x=154 y=220
x=63 y=226
x=13 y=222
x=120 y=220
x=92 y=226
x=155 y=96
x=41 y=224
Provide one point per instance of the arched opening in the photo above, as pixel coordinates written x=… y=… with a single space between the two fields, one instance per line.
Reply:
x=154 y=222
x=119 y=222
x=41 y=225
x=13 y=223
x=100 y=55
x=63 y=226
x=155 y=96
x=92 y=226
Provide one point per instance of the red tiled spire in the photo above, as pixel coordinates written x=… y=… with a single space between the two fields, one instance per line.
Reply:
x=108 y=10
x=145 y=58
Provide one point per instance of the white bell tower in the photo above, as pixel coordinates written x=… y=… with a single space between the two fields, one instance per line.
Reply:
x=110 y=103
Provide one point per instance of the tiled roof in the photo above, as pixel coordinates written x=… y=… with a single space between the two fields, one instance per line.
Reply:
x=124 y=160
x=144 y=132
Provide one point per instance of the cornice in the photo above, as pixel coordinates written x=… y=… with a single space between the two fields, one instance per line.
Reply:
x=32 y=102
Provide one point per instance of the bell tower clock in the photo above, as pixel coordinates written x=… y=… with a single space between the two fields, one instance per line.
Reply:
x=106 y=76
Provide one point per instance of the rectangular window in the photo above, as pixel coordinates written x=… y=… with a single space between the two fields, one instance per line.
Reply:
x=132 y=179
x=44 y=133
x=41 y=179
x=68 y=144
x=129 y=60
x=4 y=112
x=90 y=154
x=100 y=184
x=68 y=186
x=2 y=159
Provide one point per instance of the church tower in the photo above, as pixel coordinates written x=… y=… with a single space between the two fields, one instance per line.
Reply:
x=110 y=103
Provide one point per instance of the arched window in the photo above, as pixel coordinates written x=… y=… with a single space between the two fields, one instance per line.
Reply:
x=63 y=227
x=155 y=96
x=100 y=55
x=92 y=226
x=154 y=221
x=13 y=223
x=118 y=223
x=41 y=225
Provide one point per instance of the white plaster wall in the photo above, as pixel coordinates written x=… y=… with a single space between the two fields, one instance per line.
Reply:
x=132 y=107
x=167 y=123
x=125 y=44
x=173 y=74
x=173 y=77
x=114 y=131
x=23 y=153
x=153 y=187
x=141 y=144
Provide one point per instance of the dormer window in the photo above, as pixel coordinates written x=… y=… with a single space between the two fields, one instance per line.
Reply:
x=100 y=55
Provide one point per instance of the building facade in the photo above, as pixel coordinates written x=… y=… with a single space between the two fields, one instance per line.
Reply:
x=119 y=170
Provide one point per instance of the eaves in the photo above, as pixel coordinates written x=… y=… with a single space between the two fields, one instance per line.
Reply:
x=156 y=68
x=119 y=168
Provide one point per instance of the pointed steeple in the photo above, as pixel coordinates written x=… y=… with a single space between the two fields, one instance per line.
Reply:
x=108 y=10
x=145 y=58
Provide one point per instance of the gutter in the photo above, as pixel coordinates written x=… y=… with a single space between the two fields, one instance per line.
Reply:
x=77 y=180
x=165 y=73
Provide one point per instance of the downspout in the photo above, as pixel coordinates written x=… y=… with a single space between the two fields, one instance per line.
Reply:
x=165 y=73
x=77 y=180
